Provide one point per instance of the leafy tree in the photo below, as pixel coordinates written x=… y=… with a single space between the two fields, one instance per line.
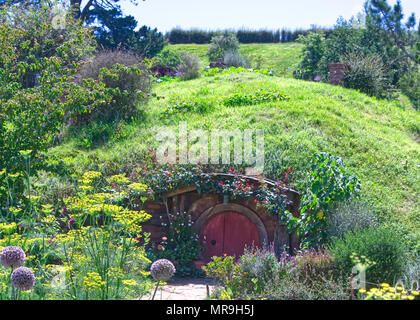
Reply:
x=117 y=30
x=222 y=43
x=314 y=50
x=39 y=88
x=410 y=86
x=112 y=28
x=388 y=22
x=380 y=32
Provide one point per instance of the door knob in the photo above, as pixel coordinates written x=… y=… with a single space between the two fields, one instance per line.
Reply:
x=213 y=242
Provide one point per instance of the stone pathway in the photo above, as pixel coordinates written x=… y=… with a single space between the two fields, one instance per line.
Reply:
x=185 y=289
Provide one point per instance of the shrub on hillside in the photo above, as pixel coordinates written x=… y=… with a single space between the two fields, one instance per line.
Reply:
x=382 y=246
x=313 y=51
x=222 y=43
x=412 y=271
x=234 y=59
x=168 y=58
x=366 y=73
x=350 y=216
x=132 y=84
x=314 y=265
x=260 y=264
x=410 y=86
x=330 y=182
x=292 y=288
x=189 y=67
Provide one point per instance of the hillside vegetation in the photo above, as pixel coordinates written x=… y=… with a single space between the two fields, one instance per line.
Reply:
x=279 y=56
x=378 y=139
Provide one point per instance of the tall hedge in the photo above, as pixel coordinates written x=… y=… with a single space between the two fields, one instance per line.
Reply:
x=179 y=36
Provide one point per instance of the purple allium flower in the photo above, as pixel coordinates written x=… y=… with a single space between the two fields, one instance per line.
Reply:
x=12 y=257
x=23 y=278
x=162 y=270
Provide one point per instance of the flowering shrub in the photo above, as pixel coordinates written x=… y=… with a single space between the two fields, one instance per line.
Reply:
x=88 y=249
x=314 y=265
x=251 y=273
x=386 y=292
x=179 y=243
x=222 y=269
x=261 y=266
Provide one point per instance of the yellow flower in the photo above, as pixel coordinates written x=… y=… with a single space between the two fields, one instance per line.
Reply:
x=90 y=175
x=320 y=214
x=130 y=282
x=115 y=272
x=25 y=153
x=416 y=293
x=137 y=187
x=8 y=227
x=93 y=281
x=119 y=179
x=48 y=219
x=362 y=290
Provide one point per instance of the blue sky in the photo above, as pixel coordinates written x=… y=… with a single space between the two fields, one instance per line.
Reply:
x=252 y=14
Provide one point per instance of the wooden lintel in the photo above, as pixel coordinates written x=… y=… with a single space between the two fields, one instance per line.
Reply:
x=181 y=191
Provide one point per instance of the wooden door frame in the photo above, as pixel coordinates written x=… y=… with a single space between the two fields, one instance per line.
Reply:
x=251 y=215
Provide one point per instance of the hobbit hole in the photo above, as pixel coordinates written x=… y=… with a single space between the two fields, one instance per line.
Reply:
x=224 y=225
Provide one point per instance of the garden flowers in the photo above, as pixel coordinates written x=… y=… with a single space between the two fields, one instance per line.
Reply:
x=93 y=281
x=162 y=270
x=387 y=292
x=23 y=278
x=12 y=257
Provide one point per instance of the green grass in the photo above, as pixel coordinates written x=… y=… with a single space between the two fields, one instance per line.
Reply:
x=373 y=136
x=279 y=56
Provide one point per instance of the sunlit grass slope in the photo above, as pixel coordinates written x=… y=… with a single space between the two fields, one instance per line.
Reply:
x=378 y=139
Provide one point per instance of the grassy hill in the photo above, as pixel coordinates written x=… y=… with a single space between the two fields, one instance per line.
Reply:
x=378 y=139
x=278 y=56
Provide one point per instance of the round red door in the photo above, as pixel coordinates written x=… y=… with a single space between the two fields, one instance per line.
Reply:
x=228 y=233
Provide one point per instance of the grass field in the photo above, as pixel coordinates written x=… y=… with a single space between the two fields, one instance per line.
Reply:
x=280 y=57
x=378 y=139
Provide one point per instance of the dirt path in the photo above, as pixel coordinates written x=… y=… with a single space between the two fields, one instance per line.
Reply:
x=185 y=289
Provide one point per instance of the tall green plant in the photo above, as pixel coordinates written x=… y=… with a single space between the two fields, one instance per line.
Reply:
x=329 y=182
